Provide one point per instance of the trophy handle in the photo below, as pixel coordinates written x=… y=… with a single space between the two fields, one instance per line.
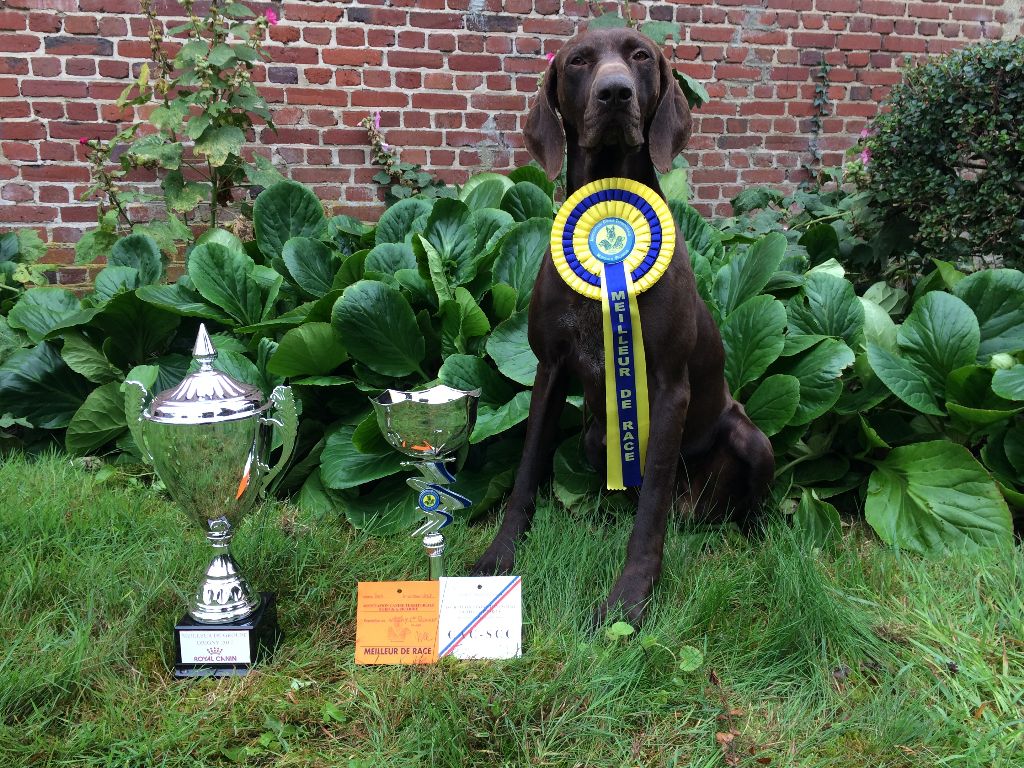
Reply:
x=285 y=419
x=135 y=396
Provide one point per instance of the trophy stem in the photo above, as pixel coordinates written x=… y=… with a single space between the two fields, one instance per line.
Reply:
x=224 y=594
x=433 y=543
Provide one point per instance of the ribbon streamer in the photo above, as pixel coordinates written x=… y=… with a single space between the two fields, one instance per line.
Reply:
x=612 y=240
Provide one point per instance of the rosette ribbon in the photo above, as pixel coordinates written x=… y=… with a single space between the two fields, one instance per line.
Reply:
x=612 y=240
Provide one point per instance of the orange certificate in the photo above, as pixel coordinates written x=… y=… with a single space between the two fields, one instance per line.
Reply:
x=396 y=622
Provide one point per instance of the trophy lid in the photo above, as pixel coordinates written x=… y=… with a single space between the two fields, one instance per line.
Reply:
x=206 y=395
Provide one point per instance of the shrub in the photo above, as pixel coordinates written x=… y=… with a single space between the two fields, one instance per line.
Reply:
x=949 y=152
x=916 y=423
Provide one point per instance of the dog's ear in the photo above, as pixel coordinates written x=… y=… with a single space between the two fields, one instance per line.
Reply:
x=670 y=128
x=544 y=134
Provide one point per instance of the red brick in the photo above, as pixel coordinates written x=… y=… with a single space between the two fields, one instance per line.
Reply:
x=352 y=56
x=19 y=43
x=928 y=10
x=9 y=20
x=27 y=213
x=81 y=25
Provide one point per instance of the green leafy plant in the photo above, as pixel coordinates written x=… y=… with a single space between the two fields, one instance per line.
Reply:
x=20 y=252
x=206 y=105
x=948 y=154
x=903 y=405
x=401 y=180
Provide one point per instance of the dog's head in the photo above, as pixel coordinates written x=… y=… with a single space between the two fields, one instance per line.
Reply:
x=614 y=89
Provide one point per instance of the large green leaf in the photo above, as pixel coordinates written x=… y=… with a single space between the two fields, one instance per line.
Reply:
x=286 y=210
x=312 y=349
x=226 y=278
x=535 y=176
x=774 y=403
x=181 y=300
x=450 y=231
x=183 y=196
x=461 y=320
x=40 y=311
x=36 y=385
x=574 y=479
x=468 y=372
x=527 y=201
x=748 y=272
x=997 y=298
x=828 y=307
x=817 y=521
x=521 y=254
x=94 y=244
x=509 y=347
x=753 y=339
x=378 y=327
x=491 y=225
x=388 y=258
x=402 y=220
x=484 y=190
x=88 y=361
x=940 y=335
x=312 y=264
x=387 y=508
x=218 y=144
x=818 y=372
x=935 y=496
x=114 y=280
x=140 y=252
x=1009 y=383
x=491 y=421
x=135 y=331
x=100 y=420
x=342 y=465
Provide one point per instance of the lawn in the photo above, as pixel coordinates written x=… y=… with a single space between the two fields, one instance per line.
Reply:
x=859 y=656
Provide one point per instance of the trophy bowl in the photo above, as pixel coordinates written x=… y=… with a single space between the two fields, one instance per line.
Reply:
x=428 y=424
x=209 y=439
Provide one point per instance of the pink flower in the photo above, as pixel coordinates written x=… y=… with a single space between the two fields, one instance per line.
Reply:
x=83 y=141
x=865 y=156
x=550 y=57
x=386 y=147
x=271 y=15
x=864 y=133
x=376 y=121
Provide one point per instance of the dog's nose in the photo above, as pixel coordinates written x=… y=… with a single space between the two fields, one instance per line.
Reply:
x=614 y=90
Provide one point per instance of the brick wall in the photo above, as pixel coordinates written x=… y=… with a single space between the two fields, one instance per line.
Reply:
x=452 y=80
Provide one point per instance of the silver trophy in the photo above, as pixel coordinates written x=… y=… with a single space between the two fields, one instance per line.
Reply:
x=428 y=425
x=209 y=439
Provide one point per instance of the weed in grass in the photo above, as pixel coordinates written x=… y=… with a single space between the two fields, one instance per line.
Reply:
x=855 y=656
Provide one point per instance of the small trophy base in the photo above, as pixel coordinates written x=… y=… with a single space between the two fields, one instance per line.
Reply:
x=223 y=650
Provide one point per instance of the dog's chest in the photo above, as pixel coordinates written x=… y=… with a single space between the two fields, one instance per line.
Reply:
x=582 y=327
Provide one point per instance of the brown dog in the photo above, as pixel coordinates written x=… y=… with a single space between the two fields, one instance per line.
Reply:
x=623 y=114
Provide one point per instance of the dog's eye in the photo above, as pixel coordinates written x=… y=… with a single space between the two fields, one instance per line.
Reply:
x=577 y=61
x=641 y=56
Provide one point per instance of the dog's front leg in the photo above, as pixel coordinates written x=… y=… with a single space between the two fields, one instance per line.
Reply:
x=549 y=392
x=644 y=553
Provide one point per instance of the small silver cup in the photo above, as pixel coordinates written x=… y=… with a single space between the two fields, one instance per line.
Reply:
x=428 y=425
x=209 y=439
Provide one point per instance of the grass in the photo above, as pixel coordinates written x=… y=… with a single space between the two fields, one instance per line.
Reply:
x=860 y=656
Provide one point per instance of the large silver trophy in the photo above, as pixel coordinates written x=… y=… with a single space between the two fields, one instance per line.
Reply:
x=209 y=439
x=429 y=425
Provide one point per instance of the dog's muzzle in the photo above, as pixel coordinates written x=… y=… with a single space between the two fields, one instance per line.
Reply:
x=612 y=116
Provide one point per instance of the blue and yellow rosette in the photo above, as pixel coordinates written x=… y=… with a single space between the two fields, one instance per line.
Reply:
x=612 y=240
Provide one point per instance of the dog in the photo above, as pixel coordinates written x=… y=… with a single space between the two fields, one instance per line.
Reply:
x=611 y=107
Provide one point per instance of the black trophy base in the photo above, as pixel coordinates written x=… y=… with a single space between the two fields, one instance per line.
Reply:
x=223 y=650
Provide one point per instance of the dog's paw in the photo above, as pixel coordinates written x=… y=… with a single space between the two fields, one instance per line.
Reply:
x=498 y=560
x=627 y=600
